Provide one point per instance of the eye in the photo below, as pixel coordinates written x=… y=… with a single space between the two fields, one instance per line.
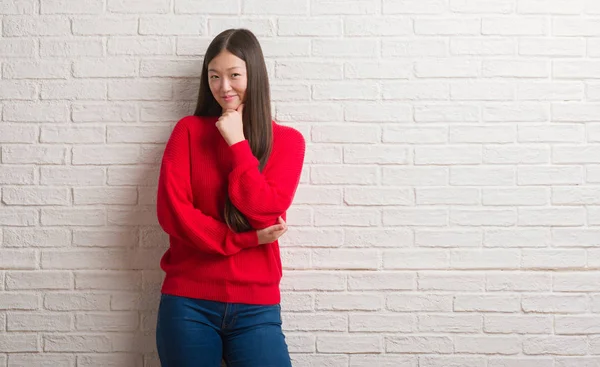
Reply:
x=236 y=74
x=213 y=77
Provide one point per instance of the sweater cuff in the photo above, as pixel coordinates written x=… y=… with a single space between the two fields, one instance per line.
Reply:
x=248 y=239
x=242 y=154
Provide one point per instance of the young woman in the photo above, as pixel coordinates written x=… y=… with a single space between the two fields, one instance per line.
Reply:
x=228 y=175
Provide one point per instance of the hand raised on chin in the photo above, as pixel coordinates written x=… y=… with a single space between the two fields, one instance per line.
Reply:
x=231 y=125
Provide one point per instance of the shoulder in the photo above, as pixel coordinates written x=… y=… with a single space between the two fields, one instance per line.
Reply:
x=286 y=136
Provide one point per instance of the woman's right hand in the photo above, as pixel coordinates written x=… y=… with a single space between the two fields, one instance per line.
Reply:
x=272 y=233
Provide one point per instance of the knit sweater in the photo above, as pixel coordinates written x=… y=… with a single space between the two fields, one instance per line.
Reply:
x=206 y=259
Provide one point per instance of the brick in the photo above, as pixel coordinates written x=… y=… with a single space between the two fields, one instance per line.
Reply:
x=482 y=176
x=349 y=344
x=357 y=360
x=346 y=217
x=517 y=237
x=19 y=343
x=200 y=7
x=447 y=155
x=447 y=26
x=376 y=26
x=415 y=6
x=311 y=280
x=518 y=281
x=345 y=91
x=18 y=217
x=415 y=217
x=511 y=26
x=479 y=6
x=96 y=112
x=19 y=301
x=44 y=69
x=317 y=195
x=447 y=113
x=45 y=25
x=444 y=280
x=489 y=46
x=18 y=259
x=105 y=26
x=515 y=69
x=569 y=27
x=349 y=134
x=381 y=281
x=67 y=7
x=376 y=155
x=140 y=46
x=481 y=91
x=356 y=175
x=576 y=282
x=492 y=303
x=555 y=345
x=348 y=302
x=483 y=217
x=18 y=133
x=447 y=238
x=382 y=323
x=316 y=113
x=105 y=68
x=35 y=196
x=74 y=90
x=554 y=304
x=109 y=321
x=378 y=196
x=38 y=321
x=73 y=217
x=447 y=69
x=421 y=135
x=39 y=280
x=506 y=345
x=8 y=7
x=415 y=259
x=79 y=343
x=417 y=91
x=414 y=48
x=293 y=69
x=77 y=176
x=350 y=47
x=419 y=344
x=72 y=48
x=551 y=217
x=555 y=47
x=139 y=6
x=450 y=324
x=72 y=134
x=485 y=259
x=415 y=176
x=273 y=7
x=565 y=175
x=510 y=154
x=551 y=133
x=14 y=48
x=79 y=301
x=352 y=7
x=103 y=280
x=576 y=69
x=422 y=302
x=517 y=324
x=315 y=322
x=172 y=25
x=526 y=196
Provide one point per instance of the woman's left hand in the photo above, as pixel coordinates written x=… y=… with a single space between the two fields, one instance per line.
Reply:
x=231 y=126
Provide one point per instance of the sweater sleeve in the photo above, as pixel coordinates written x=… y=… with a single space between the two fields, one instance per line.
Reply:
x=264 y=196
x=176 y=214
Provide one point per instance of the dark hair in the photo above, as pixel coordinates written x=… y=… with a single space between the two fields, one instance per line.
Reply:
x=257 y=118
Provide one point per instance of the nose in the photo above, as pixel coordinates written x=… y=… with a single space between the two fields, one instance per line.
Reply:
x=225 y=86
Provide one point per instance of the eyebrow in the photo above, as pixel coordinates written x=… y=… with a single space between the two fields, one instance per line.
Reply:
x=233 y=67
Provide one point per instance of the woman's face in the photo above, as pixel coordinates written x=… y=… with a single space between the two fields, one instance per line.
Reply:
x=227 y=79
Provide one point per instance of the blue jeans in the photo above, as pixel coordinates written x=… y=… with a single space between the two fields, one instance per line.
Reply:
x=199 y=333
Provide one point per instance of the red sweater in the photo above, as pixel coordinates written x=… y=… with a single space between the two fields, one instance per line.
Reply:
x=206 y=259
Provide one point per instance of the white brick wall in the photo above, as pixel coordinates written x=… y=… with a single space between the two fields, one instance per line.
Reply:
x=448 y=213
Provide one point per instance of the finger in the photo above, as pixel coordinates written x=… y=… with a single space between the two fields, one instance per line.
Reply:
x=240 y=108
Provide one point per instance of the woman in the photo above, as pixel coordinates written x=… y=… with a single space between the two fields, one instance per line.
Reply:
x=228 y=175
